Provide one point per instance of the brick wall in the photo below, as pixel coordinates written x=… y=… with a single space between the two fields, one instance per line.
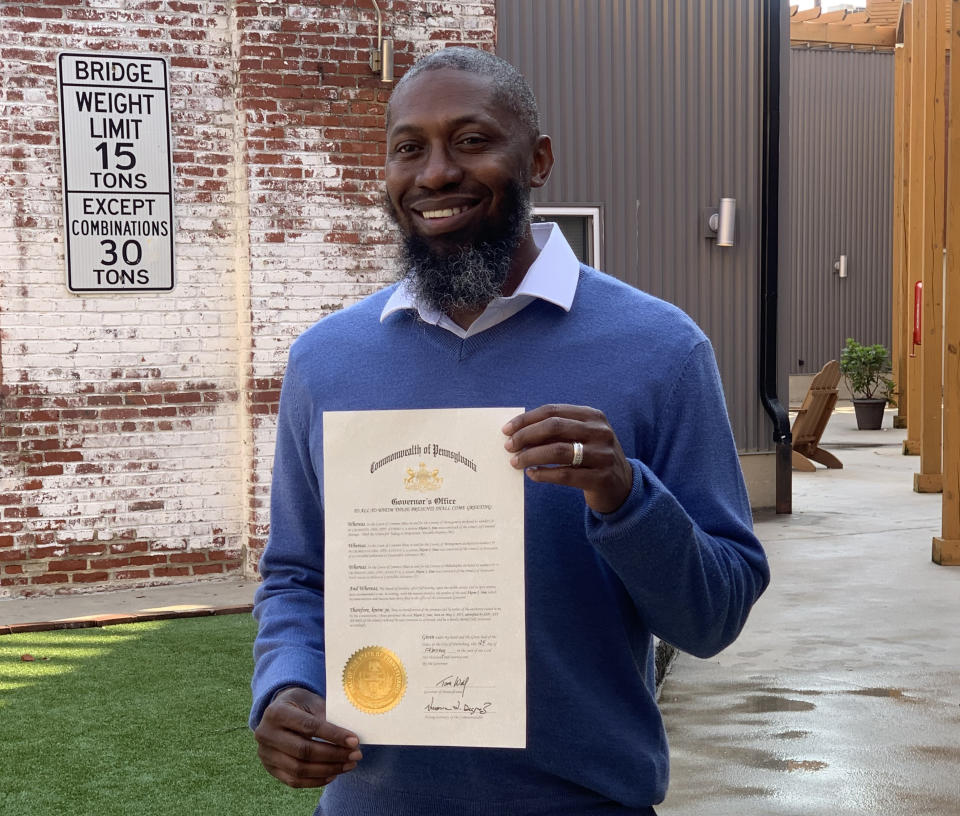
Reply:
x=136 y=431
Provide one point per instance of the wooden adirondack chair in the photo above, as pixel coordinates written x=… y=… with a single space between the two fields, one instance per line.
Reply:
x=812 y=418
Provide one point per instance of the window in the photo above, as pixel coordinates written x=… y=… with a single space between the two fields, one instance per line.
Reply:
x=580 y=226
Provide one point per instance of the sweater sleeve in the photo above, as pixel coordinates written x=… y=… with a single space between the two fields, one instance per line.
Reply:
x=682 y=543
x=288 y=605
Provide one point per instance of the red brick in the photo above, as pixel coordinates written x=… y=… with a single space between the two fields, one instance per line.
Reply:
x=22 y=512
x=90 y=577
x=187 y=557
x=143 y=560
x=130 y=546
x=68 y=565
x=141 y=506
x=41 y=444
x=105 y=399
x=40 y=553
x=120 y=413
x=108 y=563
x=231 y=566
x=190 y=396
x=205 y=569
x=50 y=578
x=40 y=416
x=85 y=549
x=41 y=11
x=8 y=582
x=45 y=470
x=63 y=456
x=170 y=572
x=131 y=575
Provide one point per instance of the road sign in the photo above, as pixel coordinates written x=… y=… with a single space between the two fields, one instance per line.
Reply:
x=117 y=172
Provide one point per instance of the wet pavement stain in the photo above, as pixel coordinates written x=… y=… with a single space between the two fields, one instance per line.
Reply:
x=951 y=755
x=746 y=792
x=767 y=703
x=799 y=692
x=764 y=760
x=891 y=693
x=802 y=765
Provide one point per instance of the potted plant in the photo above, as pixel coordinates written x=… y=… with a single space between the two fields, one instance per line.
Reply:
x=866 y=370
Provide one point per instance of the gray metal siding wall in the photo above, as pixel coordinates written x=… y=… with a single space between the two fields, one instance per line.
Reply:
x=654 y=110
x=841 y=129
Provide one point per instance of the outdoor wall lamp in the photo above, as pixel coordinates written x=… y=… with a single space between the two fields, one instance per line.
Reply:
x=720 y=223
x=381 y=57
x=841 y=266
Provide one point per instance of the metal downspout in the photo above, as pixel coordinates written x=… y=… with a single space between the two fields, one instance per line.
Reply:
x=769 y=250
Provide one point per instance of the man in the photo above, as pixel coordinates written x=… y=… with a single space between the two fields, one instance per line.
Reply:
x=637 y=521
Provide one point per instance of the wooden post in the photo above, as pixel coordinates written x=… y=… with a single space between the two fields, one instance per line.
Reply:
x=913 y=31
x=898 y=271
x=946 y=547
x=930 y=477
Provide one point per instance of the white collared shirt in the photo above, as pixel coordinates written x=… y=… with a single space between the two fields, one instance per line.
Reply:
x=552 y=277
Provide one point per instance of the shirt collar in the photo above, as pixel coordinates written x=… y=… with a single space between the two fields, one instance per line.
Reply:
x=553 y=277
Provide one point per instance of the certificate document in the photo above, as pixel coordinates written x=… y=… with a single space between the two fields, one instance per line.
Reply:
x=423 y=587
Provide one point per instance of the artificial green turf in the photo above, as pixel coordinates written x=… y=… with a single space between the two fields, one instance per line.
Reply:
x=146 y=719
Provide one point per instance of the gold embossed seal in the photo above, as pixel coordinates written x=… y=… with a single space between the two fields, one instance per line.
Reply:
x=374 y=679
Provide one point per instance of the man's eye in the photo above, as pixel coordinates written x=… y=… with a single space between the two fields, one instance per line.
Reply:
x=473 y=140
x=405 y=148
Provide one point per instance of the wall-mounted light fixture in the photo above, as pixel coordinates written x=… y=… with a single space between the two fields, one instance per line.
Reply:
x=841 y=266
x=720 y=223
x=381 y=57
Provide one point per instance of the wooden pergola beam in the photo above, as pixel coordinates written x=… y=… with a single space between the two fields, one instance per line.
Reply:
x=835 y=34
x=900 y=345
x=914 y=21
x=930 y=477
x=806 y=14
x=946 y=547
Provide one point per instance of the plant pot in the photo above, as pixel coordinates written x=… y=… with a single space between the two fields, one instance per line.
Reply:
x=869 y=413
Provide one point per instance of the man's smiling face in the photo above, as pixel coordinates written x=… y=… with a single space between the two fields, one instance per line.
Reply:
x=454 y=159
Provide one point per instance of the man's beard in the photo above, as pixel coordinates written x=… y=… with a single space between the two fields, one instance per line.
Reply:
x=468 y=277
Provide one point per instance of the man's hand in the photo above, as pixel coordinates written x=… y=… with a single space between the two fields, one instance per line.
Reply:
x=286 y=745
x=542 y=442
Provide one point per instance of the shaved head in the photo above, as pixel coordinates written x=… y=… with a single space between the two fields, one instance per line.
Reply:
x=510 y=89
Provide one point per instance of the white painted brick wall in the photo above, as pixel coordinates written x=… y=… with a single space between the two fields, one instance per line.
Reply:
x=136 y=431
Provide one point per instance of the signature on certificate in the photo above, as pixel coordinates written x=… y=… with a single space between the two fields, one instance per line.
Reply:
x=454 y=682
x=460 y=706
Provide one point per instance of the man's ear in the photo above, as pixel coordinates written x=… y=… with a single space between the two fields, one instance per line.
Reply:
x=541 y=163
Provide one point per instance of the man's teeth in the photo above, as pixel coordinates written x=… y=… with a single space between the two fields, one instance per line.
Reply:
x=442 y=213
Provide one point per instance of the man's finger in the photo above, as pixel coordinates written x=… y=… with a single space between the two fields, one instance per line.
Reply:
x=551 y=430
x=306 y=769
x=556 y=454
x=578 y=412
x=286 y=713
x=292 y=780
x=326 y=730
x=305 y=749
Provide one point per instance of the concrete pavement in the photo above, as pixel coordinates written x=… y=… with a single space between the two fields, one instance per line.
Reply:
x=125 y=605
x=842 y=695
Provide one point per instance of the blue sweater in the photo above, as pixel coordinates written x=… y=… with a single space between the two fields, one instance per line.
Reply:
x=677 y=560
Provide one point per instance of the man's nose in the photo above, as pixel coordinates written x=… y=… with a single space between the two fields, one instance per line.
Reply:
x=439 y=169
